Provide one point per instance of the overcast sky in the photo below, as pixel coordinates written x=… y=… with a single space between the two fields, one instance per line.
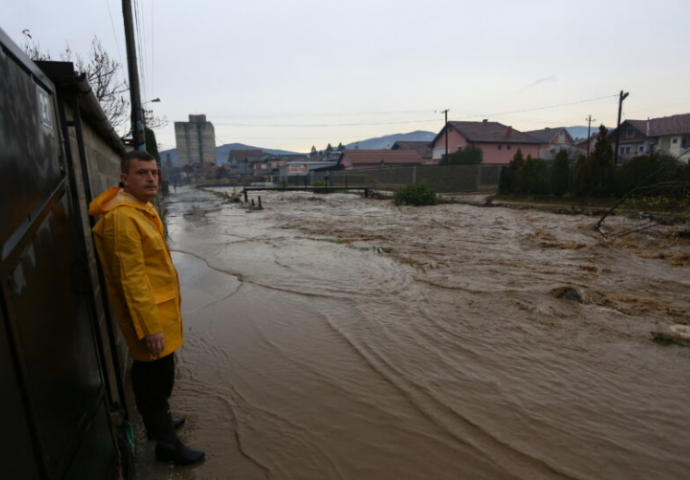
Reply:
x=295 y=73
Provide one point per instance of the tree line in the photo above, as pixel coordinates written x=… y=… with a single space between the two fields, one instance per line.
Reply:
x=595 y=175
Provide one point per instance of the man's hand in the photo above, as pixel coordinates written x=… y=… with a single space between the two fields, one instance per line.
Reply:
x=155 y=344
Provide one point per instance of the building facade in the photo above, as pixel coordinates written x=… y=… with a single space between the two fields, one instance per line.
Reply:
x=195 y=141
x=497 y=142
x=665 y=136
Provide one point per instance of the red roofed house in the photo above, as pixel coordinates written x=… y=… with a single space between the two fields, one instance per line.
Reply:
x=360 y=159
x=423 y=148
x=498 y=142
x=553 y=141
x=239 y=159
x=583 y=144
x=665 y=135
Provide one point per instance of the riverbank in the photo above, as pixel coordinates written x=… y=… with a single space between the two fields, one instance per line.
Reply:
x=331 y=336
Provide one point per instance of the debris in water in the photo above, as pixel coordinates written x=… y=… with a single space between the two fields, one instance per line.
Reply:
x=568 y=293
x=673 y=335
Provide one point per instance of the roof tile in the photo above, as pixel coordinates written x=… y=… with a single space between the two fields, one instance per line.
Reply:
x=673 y=125
x=492 y=132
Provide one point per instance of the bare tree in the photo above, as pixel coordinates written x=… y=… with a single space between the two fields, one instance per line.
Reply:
x=104 y=75
x=33 y=51
x=154 y=122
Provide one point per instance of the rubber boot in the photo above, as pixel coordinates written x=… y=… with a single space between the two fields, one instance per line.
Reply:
x=177 y=423
x=178 y=453
x=169 y=448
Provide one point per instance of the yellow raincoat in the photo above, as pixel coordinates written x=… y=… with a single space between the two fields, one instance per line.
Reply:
x=142 y=282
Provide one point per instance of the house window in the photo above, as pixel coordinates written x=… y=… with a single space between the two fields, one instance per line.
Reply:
x=500 y=146
x=507 y=147
x=624 y=150
x=675 y=140
x=640 y=149
x=629 y=132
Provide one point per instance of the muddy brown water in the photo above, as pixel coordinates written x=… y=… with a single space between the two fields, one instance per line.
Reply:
x=333 y=337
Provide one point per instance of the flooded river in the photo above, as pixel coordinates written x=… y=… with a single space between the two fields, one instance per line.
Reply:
x=334 y=337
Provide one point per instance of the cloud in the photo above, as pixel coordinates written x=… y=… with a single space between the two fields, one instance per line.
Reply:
x=539 y=81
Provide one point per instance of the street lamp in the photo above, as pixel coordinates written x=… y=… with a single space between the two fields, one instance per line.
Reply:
x=143 y=114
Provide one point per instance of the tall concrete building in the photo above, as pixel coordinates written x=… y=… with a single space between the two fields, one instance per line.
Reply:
x=196 y=141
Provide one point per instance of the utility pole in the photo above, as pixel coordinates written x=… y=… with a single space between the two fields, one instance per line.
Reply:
x=138 y=137
x=621 y=97
x=589 y=129
x=446 y=128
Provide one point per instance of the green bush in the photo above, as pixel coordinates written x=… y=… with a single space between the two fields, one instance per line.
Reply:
x=415 y=194
x=506 y=182
x=640 y=171
x=470 y=155
x=560 y=174
x=594 y=177
x=532 y=177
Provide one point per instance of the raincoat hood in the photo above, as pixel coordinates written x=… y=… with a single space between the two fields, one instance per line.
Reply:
x=113 y=198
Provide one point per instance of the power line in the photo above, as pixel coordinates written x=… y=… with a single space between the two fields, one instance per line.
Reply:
x=542 y=108
x=140 y=49
x=322 y=124
x=390 y=112
x=223 y=142
x=307 y=115
x=117 y=40
x=153 y=51
x=144 y=49
x=659 y=105
x=413 y=121
x=262 y=137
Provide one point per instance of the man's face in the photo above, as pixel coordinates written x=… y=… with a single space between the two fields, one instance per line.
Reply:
x=142 y=179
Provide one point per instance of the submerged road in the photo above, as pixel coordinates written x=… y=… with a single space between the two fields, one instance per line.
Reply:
x=334 y=337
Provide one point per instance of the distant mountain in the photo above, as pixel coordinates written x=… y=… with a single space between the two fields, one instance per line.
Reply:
x=386 y=142
x=223 y=151
x=581 y=132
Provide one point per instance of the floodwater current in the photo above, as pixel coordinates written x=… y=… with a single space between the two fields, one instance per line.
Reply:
x=336 y=337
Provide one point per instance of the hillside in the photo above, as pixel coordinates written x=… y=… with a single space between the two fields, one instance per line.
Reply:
x=581 y=132
x=387 y=141
x=223 y=151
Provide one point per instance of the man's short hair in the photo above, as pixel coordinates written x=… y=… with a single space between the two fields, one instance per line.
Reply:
x=134 y=155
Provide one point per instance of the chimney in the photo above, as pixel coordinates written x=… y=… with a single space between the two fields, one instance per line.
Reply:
x=510 y=130
x=485 y=120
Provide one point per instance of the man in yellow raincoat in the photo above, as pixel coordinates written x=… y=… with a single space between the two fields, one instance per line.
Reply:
x=144 y=292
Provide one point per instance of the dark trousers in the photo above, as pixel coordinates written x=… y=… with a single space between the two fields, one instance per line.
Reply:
x=152 y=383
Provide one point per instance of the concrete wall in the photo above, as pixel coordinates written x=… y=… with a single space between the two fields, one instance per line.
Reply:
x=445 y=179
x=103 y=173
x=195 y=140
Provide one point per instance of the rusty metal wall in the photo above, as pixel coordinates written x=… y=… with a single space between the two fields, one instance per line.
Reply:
x=53 y=387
